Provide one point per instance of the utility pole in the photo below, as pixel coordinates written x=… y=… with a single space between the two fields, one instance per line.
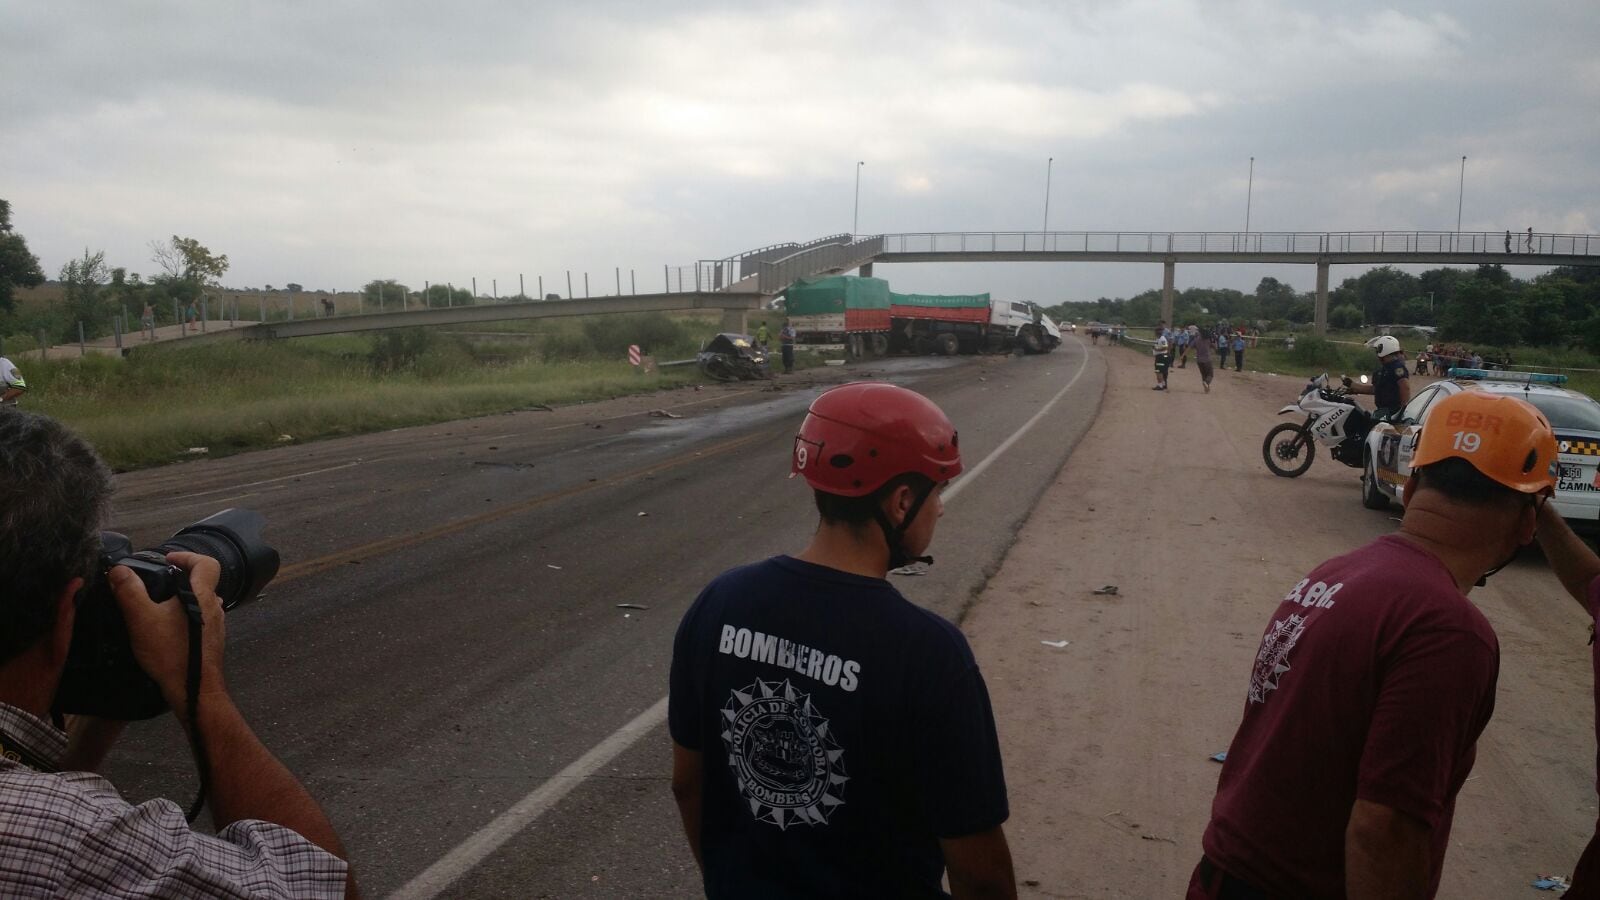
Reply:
x=1249 y=191
x=1461 y=192
x=855 y=218
x=1048 y=163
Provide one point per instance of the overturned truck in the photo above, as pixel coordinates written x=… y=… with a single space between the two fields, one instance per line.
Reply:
x=864 y=318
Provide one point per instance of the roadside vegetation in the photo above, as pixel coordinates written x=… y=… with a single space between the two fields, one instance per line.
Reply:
x=163 y=400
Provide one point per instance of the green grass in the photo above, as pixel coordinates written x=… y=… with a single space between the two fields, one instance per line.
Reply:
x=229 y=397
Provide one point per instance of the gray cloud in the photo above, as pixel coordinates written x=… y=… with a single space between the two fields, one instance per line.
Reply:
x=331 y=143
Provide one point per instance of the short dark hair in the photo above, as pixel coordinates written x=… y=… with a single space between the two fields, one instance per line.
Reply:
x=1460 y=481
x=858 y=511
x=54 y=495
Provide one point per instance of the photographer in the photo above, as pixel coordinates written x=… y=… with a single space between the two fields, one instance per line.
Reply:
x=65 y=832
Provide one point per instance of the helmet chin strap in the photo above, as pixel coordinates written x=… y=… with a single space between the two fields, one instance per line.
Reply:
x=894 y=535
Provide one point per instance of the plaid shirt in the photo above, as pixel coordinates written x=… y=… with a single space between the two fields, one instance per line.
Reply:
x=72 y=835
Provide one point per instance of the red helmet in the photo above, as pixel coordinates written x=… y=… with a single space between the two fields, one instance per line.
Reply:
x=858 y=436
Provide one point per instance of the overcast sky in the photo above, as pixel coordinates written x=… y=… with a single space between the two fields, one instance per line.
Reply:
x=329 y=143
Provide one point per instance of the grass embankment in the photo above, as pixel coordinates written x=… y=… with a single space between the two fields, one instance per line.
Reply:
x=1312 y=356
x=151 y=408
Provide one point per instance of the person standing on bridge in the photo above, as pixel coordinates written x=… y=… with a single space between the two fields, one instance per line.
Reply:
x=786 y=344
x=1376 y=676
x=12 y=384
x=830 y=738
x=1508 y=240
x=147 y=321
x=1530 y=238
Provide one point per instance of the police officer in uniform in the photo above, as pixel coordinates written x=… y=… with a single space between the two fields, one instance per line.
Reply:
x=830 y=738
x=1390 y=387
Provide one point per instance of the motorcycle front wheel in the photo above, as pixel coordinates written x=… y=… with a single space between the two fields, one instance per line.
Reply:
x=1288 y=450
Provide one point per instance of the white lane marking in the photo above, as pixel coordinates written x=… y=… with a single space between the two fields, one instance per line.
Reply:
x=475 y=849
x=961 y=482
x=235 y=487
x=437 y=878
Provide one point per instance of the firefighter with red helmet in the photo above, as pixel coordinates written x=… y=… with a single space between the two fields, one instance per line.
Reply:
x=830 y=738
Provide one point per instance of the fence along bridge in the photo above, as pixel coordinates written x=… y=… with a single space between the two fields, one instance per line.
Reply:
x=747 y=281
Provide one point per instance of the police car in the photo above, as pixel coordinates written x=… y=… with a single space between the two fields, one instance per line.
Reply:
x=1574 y=416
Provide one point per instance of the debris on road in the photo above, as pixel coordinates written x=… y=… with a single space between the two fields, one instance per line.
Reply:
x=631 y=606
x=285 y=438
x=1551 y=883
x=915 y=568
x=1220 y=757
x=1109 y=590
x=642 y=514
x=540 y=407
x=664 y=414
x=552 y=566
x=197 y=451
x=1056 y=644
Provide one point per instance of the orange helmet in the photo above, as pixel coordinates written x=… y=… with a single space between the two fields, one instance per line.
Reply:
x=1505 y=438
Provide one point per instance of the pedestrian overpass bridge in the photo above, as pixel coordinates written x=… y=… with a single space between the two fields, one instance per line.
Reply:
x=739 y=284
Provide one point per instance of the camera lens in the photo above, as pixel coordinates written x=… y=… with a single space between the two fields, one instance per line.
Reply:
x=233 y=538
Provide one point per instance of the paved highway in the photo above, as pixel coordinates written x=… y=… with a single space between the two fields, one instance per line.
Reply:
x=444 y=639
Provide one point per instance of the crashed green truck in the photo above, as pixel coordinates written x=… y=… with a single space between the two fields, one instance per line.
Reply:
x=864 y=318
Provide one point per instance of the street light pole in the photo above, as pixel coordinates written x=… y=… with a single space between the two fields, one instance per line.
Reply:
x=1048 y=163
x=1461 y=191
x=855 y=218
x=1249 y=192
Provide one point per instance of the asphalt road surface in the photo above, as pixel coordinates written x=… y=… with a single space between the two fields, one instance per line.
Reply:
x=444 y=642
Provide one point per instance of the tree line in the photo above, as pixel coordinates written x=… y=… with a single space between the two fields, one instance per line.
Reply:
x=1559 y=308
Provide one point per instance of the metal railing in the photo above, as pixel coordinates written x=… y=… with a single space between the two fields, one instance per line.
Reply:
x=778 y=275
x=721 y=274
x=1334 y=242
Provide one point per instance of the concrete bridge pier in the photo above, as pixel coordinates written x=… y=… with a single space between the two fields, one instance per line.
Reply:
x=1320 y=317
x=1168 y=273
x=736 y=321
x=866 y=270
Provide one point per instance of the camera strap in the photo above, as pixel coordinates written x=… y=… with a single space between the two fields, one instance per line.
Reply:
x=191 y=610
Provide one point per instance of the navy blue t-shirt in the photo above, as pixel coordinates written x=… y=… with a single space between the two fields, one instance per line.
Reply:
x=844 y=732
x=1386 y=384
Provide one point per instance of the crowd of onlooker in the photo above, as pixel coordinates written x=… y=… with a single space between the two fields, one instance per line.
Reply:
x=1438 y=359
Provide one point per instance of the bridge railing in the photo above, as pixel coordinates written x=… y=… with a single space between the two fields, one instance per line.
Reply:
x=1430 y=242
x=720 y=274
x=779 y=274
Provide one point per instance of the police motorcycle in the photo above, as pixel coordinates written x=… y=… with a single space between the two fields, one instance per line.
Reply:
x=1290 y=447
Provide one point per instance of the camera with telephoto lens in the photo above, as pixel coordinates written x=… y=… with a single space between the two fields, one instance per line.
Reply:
x=102 y=678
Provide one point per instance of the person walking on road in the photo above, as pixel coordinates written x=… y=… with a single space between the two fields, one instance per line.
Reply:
x=1184 y=337
x=1202 y=358
x=12 y=384
x=786 y=344
x=830 y=738
x=1579 y=570
x=1375 y=677
x=1238 y=351
x=1163 y=354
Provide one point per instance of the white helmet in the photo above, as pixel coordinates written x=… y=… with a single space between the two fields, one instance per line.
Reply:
x=1384 y=345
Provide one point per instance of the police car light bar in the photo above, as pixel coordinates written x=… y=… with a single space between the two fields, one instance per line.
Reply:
x=1516 y=377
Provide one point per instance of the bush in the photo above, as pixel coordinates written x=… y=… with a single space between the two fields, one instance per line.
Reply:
x=1318 y=353
x=609 y=336
x=399 y=349
x=1345 y=316
x=564 y=346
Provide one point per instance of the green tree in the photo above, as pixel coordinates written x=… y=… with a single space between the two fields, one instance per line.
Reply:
x=82 y=279
x=1544 y=316
x=18 y=267
x=187 y=259
x=442 y=295
x=1415 y=311
x=1345 y=317
x=1379 y=292
x=386 y=293
x=1483 y=311
x=1275 y=299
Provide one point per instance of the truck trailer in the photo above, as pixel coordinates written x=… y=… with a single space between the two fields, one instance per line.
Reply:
x=864 y=318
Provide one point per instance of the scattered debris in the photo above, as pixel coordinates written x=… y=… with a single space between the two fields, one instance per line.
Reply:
x=551 y=566
x=1109 y=590
x=1031 y=882
x=285 y=438
x=627 y=615
x=540 y=407
x=1056 y=644
x=631 y=606
x=1157 y=837
x=642 y=514
x=197 y=451
x=915 y=568
x=664 y=414
x=1551 y=883
x=1220 y=757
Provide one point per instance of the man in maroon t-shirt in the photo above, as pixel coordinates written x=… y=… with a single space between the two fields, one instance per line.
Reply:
x=1375 y=677
x=1579 y=570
